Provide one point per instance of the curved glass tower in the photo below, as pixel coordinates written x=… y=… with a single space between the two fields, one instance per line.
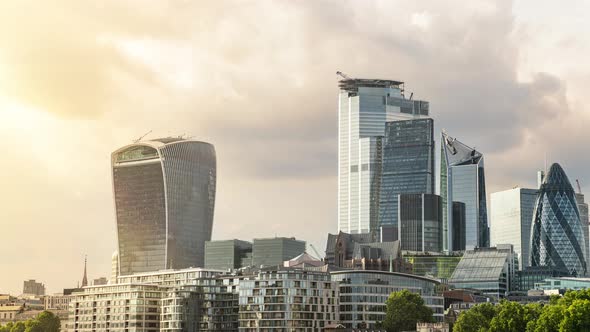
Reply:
x=164 y=191
x=557 y=237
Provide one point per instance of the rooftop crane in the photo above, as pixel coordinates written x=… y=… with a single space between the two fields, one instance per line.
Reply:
x=579 y=188
x=315 y=251
x=142 y=136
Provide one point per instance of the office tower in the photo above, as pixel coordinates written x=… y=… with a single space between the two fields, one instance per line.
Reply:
x=228 y=254
x=364 y=107
x=274 y=251
x=491 y=270
x=31 y=287
x=462 y=179
x=511 y=215
x=407 y=168
x=458 y=227
x=420 y=222
x=557 y=236
x=583 y=208
x=164 y=198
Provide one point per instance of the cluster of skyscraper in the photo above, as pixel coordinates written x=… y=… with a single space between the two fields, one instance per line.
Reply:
x=386 y=158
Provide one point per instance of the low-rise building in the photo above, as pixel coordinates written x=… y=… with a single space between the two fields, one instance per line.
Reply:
x=288 y=300
x=363 y=295
x=434 y=265
x=57 y=302
x=490 y=270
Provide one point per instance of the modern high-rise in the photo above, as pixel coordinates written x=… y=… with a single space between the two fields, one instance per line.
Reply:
x=557 y=236
x=364 y=108
x=32 y=287
x=511 y=215
x=420 y=222
x=407 y=167
x=462 y=179
x=458 y=230
x=164 y=191
x=583 y=208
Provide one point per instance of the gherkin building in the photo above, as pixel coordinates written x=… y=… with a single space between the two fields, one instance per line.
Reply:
x=557 y=236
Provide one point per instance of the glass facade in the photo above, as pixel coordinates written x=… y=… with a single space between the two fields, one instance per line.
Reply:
x=420 y=217
x=458 y=227
x=490 y=270
x=583 y=208
x=363 y=295
x=557 y=237
x=364 y=107
x=164 y=193
x=511 y=218
x=408 y=165
x=228 y=254
x=463 y=180
x=564 y=283
x=287 y=300
x=274 y=251
x=434 y=266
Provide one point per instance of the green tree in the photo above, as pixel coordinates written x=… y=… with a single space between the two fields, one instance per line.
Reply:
x=549 y=320
x=18 y=327
x=513 y=317
x=33 y=325
x=576 y=317
x=476 y=319
x=404 y=310
x=6 y=328
x=48 y=321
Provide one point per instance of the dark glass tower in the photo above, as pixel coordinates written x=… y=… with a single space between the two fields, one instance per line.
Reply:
x=164 y=191
x=407 y=167
x=557 y=236
x=420 y=221
x=462 y=179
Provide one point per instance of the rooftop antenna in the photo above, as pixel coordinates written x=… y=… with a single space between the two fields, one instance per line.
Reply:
x=343 y=75
x=142 y=136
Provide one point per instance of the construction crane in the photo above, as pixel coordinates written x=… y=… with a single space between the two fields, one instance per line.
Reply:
x=315 y=251
x=579 y=188
x=343 y=75
x=141 y=137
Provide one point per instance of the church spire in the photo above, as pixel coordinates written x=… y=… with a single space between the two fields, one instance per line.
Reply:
x=85 y=279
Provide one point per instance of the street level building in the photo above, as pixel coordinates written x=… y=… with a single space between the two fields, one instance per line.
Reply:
x=287 y=299
x=364 y=107
x=363 y=295
x=164 y=192
x=511 y=214
x=490 y=270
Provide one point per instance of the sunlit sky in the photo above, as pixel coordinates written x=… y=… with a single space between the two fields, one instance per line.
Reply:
x=79 y=79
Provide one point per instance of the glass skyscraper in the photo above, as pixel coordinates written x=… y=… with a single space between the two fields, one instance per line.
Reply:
x=407 y=167
x=583 y=208
x=420 y=222
x=364 y=108
x=164 y=192
x=462 y=179
x=557 y=237
x=511 y=215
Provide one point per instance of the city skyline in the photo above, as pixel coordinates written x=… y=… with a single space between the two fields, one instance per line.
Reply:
x=270 y=112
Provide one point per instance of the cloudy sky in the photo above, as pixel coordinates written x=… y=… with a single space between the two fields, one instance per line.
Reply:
x=79 y=79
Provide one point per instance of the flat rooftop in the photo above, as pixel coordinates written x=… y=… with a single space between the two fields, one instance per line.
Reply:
x=352 y=84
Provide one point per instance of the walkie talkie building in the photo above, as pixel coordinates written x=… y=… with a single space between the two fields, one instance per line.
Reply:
x=557 y=236
x=164 y=191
